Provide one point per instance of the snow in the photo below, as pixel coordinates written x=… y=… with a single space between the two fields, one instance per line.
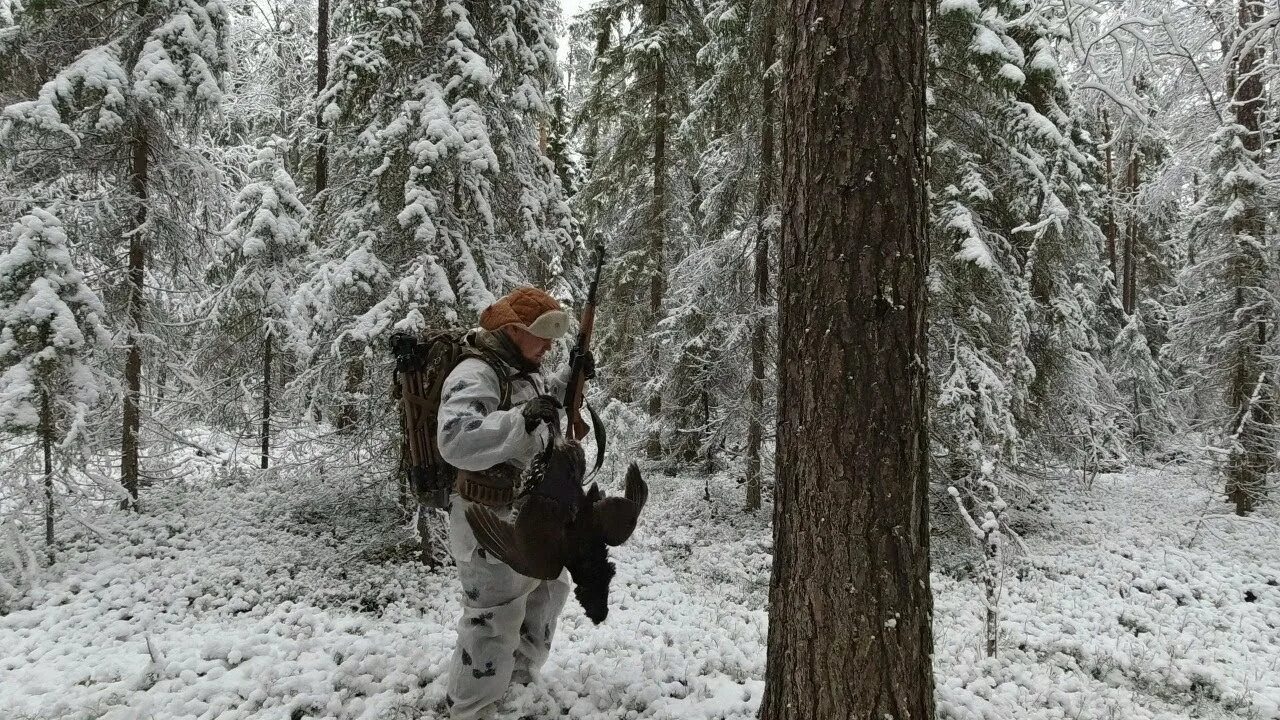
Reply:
x=49 y=319
x=1012 y=74
x=469 y=65
x=94 y=83
x=9 y=11
x=181 y=60
x=972 y=247
x=251 y=594
x=986 y=42
x=969 y=6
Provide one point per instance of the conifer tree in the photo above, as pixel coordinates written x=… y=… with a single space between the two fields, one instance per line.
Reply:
x=50 y=323
x=1017 y=260
x=254 y=270
x=643 y=195
x=440 y=198
x=1142 y=381
x=1225 y=332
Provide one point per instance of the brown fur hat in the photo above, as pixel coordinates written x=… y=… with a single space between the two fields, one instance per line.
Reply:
x=531 y=309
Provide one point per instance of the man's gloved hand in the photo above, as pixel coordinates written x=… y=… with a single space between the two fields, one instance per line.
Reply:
x=588 y=365
x=543 y=408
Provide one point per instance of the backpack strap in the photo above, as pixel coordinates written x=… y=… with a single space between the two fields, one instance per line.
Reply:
x=499 y=368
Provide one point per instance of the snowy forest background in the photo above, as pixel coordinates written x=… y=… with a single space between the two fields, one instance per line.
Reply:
x=215 y=213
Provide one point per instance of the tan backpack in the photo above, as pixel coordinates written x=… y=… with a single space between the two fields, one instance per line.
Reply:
x=423 y=362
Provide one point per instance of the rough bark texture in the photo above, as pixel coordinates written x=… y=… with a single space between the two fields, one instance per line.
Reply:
x=850 y=605
x=322 y=79
x=764 y=204
x=1251 y=391
x=133 y=361
x=658 y=231
x=139 y=158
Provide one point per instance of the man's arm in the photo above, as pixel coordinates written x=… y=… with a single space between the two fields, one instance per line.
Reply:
x=473 y=434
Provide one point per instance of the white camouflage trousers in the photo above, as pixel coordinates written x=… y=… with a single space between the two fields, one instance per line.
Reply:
x=508 y=621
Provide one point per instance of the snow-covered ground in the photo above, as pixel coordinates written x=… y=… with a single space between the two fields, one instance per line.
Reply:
x=261 y=597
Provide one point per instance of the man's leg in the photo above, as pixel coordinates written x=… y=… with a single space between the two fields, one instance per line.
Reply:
x=494 y=598
x=542 y=612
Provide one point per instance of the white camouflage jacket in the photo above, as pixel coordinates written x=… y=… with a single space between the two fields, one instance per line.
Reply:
x=473 y=433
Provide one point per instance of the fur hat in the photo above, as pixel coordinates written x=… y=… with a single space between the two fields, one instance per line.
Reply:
x=530 y=308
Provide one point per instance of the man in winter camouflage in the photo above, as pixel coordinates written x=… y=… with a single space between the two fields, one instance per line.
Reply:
x=508 y=619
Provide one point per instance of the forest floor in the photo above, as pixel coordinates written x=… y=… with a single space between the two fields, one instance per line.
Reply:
x=250 y=594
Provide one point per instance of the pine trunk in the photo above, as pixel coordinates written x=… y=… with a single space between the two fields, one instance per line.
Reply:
x=1139 y=437
x=1251 y=387
x=1109 y=228
x=849 y=600
x=133 y=361
x=322 y=79
x=657 y=237
x=46 y=440
x=266 y=400
x=1129 y=295
x=349 y=414
x=764 y=205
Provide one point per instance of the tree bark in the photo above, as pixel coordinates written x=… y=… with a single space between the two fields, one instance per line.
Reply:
x=1251 y=391
x=1195 y=200
x=1130 y=292
x=46 y=440
x=139 y=152
x=322 y=79
x=657 y=236
x=764 y=205
x=1109 y=228
x=849 y=599
x=348 y=413
x=266 y=400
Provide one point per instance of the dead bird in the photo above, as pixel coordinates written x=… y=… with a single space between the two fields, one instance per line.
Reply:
x=557 y=525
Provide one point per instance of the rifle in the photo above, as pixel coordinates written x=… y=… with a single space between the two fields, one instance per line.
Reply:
x=574 y=391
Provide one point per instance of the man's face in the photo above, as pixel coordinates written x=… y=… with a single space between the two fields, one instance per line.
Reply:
x=532 y=347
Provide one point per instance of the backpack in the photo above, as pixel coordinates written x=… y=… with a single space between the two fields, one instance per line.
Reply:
x=423 y=362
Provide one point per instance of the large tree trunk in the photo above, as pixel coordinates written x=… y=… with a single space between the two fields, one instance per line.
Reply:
x=322 y=79
x=658 y=231
x=849 y=599
x=133 y=361
x=764 y=205
x=139 y=153
x=1251 y=392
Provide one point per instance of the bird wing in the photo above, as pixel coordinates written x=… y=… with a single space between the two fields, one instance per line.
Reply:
x=518 y=546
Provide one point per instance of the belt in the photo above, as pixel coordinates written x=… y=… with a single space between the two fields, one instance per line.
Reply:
x=474 y=492
x=496 y=489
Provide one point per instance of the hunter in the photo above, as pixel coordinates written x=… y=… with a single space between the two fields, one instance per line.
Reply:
x=508 y=620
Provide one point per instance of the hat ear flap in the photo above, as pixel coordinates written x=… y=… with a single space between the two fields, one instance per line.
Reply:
x=498 y=314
